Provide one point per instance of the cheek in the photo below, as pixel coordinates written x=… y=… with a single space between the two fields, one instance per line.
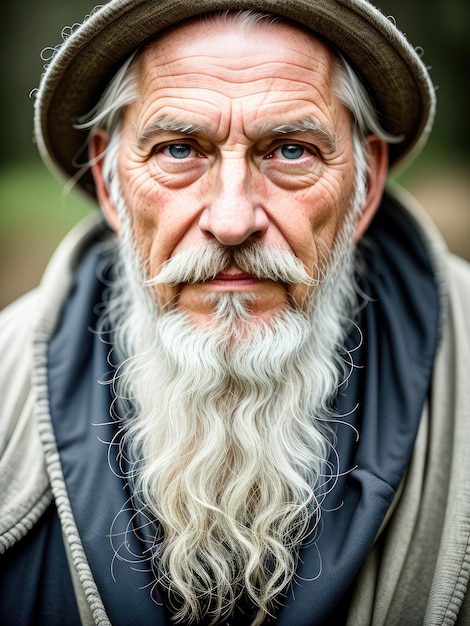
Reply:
x=143 y=200
x=162 y=220
x=311 y=223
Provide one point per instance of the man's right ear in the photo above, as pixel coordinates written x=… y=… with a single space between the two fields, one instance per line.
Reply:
x=97 y=148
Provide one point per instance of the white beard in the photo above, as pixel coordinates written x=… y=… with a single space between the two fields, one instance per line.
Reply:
x=226 y=427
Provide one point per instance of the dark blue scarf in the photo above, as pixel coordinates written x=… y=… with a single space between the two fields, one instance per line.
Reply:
x=383 y=401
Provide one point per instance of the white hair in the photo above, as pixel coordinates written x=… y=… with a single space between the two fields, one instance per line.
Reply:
x=226 y=426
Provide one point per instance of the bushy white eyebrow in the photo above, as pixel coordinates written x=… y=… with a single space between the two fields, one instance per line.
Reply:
x=165 y=124
x=327 y=136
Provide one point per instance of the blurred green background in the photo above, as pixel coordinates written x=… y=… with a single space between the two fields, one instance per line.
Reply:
x=35 y=214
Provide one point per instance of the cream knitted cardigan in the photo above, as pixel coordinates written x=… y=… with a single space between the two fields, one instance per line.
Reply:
x=418 y=570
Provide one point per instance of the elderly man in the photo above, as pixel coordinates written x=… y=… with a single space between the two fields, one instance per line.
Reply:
x=238 y=396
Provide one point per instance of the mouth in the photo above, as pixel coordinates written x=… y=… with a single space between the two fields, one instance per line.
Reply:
x=234 y=281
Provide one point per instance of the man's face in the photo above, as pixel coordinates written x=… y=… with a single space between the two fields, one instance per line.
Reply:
x=236 y=136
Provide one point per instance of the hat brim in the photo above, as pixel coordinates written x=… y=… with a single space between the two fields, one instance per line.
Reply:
x=79 y=71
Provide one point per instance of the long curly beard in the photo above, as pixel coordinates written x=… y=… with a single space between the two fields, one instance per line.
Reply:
x=226 y=427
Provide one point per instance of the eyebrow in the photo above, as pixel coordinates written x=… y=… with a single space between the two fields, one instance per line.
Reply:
x=166 y=125
x=325 y=135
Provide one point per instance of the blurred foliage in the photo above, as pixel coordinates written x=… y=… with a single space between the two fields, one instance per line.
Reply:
x=440 y=28
x=26 y=28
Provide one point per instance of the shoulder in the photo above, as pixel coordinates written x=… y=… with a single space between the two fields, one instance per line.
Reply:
x=34 y=316
x=457 y=313
x=40 y=308
x=25 y=328
x=17 y=319
x=17 y=322
x=23 y=479
x=458 y=271
x=452 y=273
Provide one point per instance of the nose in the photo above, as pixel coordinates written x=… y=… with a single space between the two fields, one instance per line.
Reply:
x=233 y=214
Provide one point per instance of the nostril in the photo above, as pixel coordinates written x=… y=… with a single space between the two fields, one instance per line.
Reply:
x=232 y=224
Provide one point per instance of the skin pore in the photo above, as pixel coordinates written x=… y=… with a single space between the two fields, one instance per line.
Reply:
x=237 y=135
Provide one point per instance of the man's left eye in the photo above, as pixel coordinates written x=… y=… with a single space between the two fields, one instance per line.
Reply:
x=291 y=151
x=178 y=150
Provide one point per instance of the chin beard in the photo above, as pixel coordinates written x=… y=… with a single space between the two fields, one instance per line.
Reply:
x=226 y=428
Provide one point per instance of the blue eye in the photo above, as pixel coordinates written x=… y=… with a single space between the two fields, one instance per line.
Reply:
x=292 y=151
x=179 y=150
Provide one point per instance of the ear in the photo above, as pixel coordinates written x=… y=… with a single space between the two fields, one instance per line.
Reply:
x=378 y=169
x=98 y=145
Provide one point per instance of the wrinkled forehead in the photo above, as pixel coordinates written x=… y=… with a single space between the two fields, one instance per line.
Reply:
x=219 y=35
x=257 y=69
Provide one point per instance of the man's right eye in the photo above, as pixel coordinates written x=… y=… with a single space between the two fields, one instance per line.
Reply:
x=178 y=150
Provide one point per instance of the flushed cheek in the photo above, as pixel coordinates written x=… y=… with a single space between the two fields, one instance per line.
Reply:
x=155 y=225
x=310 y=235
x=312 y=244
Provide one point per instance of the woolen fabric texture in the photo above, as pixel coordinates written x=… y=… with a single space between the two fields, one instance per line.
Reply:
x=81 y=67
x=420 y=564
x=382 y=400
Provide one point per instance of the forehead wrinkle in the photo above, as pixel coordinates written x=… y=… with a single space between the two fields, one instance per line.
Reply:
x=238 y=70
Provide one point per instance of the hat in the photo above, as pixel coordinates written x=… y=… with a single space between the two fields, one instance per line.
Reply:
x=81 y=67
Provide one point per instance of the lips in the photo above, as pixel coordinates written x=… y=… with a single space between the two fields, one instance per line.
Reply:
x=235 y=280
x=235 y=276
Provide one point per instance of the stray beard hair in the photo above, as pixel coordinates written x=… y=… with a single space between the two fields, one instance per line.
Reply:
x=226 y=425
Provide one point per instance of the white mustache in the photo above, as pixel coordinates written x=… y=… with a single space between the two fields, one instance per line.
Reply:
x=203 y=263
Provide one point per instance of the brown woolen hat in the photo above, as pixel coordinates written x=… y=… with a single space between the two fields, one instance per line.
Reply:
x=80 y=68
